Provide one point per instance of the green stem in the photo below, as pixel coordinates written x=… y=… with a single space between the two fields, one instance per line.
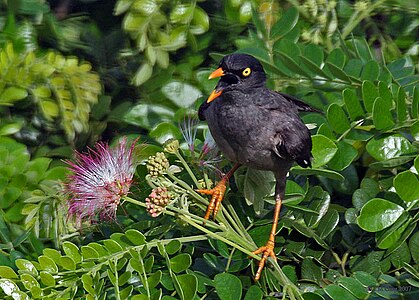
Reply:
x=286 y=283
x=219 y=237
x=355 y=19
x=240 y=227
x=188 y=189
x=188 y=169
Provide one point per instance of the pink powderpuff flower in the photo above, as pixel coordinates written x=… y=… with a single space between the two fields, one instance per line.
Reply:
x=99 y=179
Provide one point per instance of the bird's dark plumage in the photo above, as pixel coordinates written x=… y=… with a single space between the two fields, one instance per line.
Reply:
x=253 y=125
x=256 y=127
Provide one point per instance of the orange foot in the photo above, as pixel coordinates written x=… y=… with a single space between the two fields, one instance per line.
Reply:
x=267 y=250
x=217 y=196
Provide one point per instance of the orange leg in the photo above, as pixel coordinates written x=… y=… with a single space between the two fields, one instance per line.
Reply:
x=268 y=249
x=217 y=193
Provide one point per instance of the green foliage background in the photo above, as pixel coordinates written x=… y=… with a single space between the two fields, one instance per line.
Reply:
x=75 y=72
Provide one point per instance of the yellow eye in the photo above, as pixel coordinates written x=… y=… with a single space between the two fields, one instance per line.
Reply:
x=246 y=72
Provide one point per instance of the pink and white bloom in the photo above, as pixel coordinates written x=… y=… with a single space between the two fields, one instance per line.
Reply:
x=99 y=179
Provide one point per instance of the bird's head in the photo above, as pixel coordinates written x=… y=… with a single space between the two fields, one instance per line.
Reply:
x=238 y=71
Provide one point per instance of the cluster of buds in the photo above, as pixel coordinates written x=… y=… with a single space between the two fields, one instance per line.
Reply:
x=171 y=146
x=157 y=164
x=157 y=201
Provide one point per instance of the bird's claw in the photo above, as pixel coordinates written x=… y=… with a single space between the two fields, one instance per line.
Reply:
x=268 y=251
x=217 y=196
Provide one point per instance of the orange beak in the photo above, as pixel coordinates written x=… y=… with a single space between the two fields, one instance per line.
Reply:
x=215 y=93
x=217 y=73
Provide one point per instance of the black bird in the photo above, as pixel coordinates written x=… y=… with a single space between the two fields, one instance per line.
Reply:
x=255 y=127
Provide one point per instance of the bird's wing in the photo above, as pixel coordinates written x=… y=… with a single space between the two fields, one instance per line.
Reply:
x=299 y=104
x=292 y=140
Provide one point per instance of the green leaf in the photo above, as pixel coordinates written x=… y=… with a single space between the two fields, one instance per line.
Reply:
x=353 y=105
x=385 y=94
x=313 y=67
x=135 y=237
x=365 y=279
x=189 y=284
x=400 y=256
x=47 y=264
x=47 y=278
x=260 y=26
x=337 y=292
x=173 y=247
x=354 y=67
x=180 y=93
x=143 y=74
x=165 y=131
x=414 y=130
x=126 y=292
x=26 y=265
x=414 y=246
x=306 y=231
x=228 y=286
x=312 y=296
x=200 y=21
x=154 y=279
x=390 y=236
x=180 y=262
x=181 y=13
x=378 y=214
x=49 y=108
x=323 y=150
x=339 y=73
x=122 y=6
x=370 y=71
x=407 y=186
x=29 y=281
x=255 y=185
x=72 y=251
x=87 y=281
x=415 y=103
x=310 y=270
x=401 y=105
x=10 y=129
x=405 y=235
x=12 y=94
x=388 y=146
x=8 y=286
x=68 y=263
x=254 y=293
x=337 y=118
x=381 y=115
x=354 y=287
x=148 y=115
x=336 y=57
x=328 y=223
x=7 y=272
x=112 y=246
x=314 y=54
x=369 y=94
x=318 y=171
x=88 y=252
x=292 y=65
x=285 y=24
x=344 y=156
x=55 y=255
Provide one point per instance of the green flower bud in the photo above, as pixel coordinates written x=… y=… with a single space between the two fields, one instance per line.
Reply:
x=171 y=146
x=157 y=164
